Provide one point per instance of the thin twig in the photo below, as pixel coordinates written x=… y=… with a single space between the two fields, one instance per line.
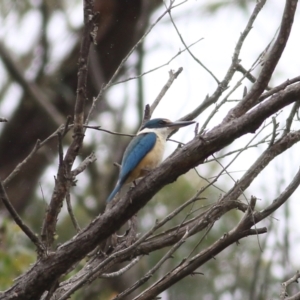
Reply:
x=110 y=82
x=209 y=227
x=60 y=149
x=187 y=267
x=208 y=101
x=290 y=118
x=281 y=199
x=261 y=163
x=122 y=271
x=21 y=165
x=84 y=164
x=120 y=253
x=66 y=127
x=19 y=221
x=37 y=146
x=151 y=272
x=222 y=171
x=218 y=106
x=71 y=213
x=252 y=201
x=172 y=77
x=271 y=61
x=278 y=88
x=248 y=75
x=159 y=67
x=91 y=110
x=274 y=131
x=210 y=183
x=264 y=140
x=190 y=52
x=109 y=131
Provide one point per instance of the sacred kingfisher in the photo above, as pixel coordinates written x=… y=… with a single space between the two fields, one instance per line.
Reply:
x=145 y=151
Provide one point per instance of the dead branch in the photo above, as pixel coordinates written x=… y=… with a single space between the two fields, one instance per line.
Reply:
x=232 y=68
x=285 y=285
x=64 y=179
x=270 y=63
x=32 y=236
x=172 y=77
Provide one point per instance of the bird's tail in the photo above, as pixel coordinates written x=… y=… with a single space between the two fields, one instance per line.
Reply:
x=114 y=192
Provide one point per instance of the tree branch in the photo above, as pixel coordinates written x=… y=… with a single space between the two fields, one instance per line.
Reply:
x=251 y=99
x=172 y=77
x=232 y=68
x=186 y=267
x=63 y=181
x=19 y=221
x=285 y=284
x=190 y=155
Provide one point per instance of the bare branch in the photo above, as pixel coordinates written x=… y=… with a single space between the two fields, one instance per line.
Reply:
x=171 y=236
x=251 y=99
x=151 y=272
x=120 y=272
x=281 y=199
x=274 y=132
x=159 y=67
x=289 y=120
x=189 y=51
x=246 y=73
x=71 y=213
x=108 y=131
x=294 y=297
x=278 y=88
x=84 y=164
x=172 y=77
x=268 y=155
x=60 y=150
x=186 y=267
x=187 y=157
x=63 y=181
x=218 y=106
x=37 y=146
x=285 y=284
x=248 y=146
x=208 y=101
x=21 y=165
x=110 y=82
x=19 y=221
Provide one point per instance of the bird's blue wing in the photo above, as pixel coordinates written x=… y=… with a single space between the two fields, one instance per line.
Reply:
x=135 y=152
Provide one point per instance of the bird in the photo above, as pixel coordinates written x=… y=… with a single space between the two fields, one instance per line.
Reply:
x=145 y=151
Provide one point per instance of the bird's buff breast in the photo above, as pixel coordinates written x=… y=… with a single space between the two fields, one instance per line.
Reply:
x=150 y=161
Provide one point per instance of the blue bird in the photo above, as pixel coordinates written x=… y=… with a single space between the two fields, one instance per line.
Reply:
x=145 y=151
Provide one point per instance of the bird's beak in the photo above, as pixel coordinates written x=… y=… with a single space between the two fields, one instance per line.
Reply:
x=179 y=124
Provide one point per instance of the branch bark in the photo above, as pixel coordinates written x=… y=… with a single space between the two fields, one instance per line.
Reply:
x=270 y=63
x=192 y=154
x=64 y=176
